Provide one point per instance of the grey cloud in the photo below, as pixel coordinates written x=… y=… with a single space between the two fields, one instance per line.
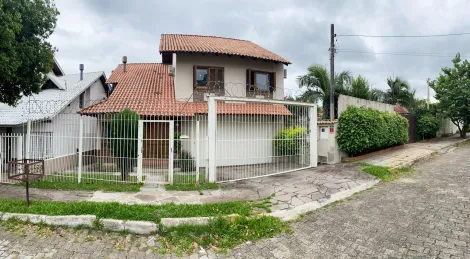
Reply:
x=98 y=33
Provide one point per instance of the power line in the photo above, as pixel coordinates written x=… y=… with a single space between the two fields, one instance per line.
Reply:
x=416 y=54
x=403 y=36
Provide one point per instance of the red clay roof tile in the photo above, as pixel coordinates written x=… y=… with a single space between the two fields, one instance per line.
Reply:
x=217 y=45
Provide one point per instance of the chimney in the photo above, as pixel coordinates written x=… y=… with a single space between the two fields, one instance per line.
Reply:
x=81 y=71
x=124 y=62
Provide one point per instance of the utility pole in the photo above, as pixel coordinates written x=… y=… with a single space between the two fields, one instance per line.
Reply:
x=332 y=72
x=428 y=99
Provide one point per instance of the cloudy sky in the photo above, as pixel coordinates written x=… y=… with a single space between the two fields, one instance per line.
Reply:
x=99 y=33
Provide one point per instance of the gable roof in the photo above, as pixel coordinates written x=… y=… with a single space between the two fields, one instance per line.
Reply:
x=216 y=45
x=400 y=109
x=48 y=102
x=148 y=90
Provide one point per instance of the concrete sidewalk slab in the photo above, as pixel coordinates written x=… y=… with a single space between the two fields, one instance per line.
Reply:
x=412 y=153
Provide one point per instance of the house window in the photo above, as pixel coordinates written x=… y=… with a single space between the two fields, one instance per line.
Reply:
x=261 y=81
x=81 y=100
x=41 y=145
x=208 y=77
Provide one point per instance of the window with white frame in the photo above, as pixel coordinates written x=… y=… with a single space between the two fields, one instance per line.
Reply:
x=41 y=145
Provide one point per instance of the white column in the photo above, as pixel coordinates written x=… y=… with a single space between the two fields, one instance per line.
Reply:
x=140 y=141
x=313 y=136
x=28 y=140
x=19 y=147
x=212 y=133
x=170 y=150
x=198 y=165
x=80 y=149
x=2 y=175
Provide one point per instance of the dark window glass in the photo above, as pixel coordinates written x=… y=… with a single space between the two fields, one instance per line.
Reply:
x=201 y=77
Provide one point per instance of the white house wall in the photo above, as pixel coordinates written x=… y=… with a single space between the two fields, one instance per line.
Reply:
x=234 y=73
x=241 y=139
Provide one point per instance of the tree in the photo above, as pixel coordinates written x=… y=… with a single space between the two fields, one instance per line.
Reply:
x=452 y=88
x=25 y=55
x=360 y=88
x=124 y=139
x=317 y=82
x=399 y=92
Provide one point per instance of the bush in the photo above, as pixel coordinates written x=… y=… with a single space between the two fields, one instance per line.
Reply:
x=427 y=126
x=187 y=162
x=177 y=142
x=362 y=130
x=290 y=141
x=124 y=134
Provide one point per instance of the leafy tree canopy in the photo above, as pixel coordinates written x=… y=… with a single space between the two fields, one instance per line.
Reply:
x=25 y=55
x=452 y=88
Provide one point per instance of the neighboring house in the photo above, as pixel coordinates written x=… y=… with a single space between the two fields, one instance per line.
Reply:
x=192 y=68
x=53 y=115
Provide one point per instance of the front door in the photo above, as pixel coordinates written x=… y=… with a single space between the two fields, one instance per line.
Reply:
x=155 y=162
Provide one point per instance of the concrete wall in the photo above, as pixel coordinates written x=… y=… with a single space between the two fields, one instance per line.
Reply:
x=344 y=101
x=447 y=128
x=234 y=73
x=240 y=140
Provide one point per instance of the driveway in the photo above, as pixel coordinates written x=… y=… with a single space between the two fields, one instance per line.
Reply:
x=426 y=215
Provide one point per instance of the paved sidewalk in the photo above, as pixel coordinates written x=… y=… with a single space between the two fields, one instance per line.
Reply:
x=411 y=153
x=290 y=189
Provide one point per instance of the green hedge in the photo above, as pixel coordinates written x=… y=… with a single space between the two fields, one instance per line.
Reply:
x=290 y=141
x=362 y=130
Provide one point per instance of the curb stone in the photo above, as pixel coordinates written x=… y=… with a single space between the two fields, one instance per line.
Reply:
x=287 y=215
x=64 y=221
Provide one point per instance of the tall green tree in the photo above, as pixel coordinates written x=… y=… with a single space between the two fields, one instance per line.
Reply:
x=360 y=88
x=124 y=133
x=399 y=92
x=452 y=88
x=317 y=84
x=25 y=55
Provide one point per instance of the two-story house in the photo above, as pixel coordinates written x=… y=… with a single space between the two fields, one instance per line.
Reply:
x=192 y=68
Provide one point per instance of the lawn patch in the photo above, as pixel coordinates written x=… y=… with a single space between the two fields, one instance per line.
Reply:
x=114 y=210
x=385 y=173
x=89 y=182
x=220 y=234
x=183 y=182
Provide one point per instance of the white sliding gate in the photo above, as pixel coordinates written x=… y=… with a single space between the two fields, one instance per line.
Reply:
x=155 y=152
x=251 y=138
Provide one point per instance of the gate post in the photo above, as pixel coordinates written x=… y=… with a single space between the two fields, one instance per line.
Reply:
x=197 y=151
x=140 y=140
x=80 y=149
x=19 y=147
x=28 y=140
x=212 y=134
x=313 y=136
x=170 y=155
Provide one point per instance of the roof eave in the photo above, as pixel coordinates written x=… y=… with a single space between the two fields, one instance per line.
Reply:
x=285 y=62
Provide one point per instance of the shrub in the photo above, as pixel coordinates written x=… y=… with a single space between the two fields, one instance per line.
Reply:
x=427 y=126
x=187 y=162
x=124 y=134
x=290 y=141
x=362 y=130
x=177 y=142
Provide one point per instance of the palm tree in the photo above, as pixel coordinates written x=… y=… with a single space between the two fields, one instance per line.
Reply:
x=317 y=82
x=399 y=92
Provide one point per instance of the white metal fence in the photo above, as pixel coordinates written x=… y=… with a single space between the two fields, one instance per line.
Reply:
x=224 y=139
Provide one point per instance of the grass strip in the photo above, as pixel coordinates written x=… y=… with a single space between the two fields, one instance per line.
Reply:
x=89 y=182
x=220 y=234
x=183 y=182
x=114 y=210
